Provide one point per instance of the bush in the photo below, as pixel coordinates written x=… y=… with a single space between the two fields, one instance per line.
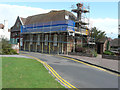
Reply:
x=80 y=49
x=108 y=53
x=6 y=48
x=8 y=51
x=94 y=53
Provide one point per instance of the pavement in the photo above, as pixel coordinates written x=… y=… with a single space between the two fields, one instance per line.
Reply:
x=14 y=56
x=107 y=63
x=78 y=74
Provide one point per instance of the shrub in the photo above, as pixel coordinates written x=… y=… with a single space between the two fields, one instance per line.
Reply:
x=6 y=48
x=108 y=53
x=80 y=49
x=8 y=51
x=94 y=53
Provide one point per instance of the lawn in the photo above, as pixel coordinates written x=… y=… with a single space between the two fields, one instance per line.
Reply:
x=26 y=73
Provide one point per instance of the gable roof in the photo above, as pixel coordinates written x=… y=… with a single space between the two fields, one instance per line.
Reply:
x=50 y=16
x=22 y=20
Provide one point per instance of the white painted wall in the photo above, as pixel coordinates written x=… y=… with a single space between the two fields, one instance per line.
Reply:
x=4 y=32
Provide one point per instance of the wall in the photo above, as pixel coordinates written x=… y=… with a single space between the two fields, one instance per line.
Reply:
x=105 y=45
x=15 y=32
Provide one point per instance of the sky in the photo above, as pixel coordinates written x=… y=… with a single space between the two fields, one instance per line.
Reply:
x=103 y=15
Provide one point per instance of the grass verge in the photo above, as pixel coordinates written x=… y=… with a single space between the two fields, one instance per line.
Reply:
x=26 y=73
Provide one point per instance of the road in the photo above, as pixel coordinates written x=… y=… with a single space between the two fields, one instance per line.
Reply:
x=78 y=74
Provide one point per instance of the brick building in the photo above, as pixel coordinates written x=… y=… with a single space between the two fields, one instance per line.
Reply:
x=15 y=36
x=53 y=32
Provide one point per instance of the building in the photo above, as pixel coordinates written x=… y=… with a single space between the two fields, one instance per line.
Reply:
x=102 y=45
x=53 y=32
x=115 y=43
x=15 y=36
x=4 y=33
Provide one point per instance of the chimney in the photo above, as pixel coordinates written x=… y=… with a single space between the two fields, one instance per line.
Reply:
x=5 y=25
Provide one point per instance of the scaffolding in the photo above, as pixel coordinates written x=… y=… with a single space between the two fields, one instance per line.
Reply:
x=82 y=22
x=52 y=26
x=48 y=37
x=55 y=36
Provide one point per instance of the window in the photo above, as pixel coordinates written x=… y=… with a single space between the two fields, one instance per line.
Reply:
x=66 y=17
x=18 y=40
x=46 y=39
x=55 y=40
x=21 y=41
x=13 y=40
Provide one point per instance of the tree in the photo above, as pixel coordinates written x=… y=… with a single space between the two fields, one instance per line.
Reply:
x=97 y=34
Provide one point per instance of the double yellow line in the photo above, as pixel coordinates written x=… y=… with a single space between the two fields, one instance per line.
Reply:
x=64 y=82
x=91 y=66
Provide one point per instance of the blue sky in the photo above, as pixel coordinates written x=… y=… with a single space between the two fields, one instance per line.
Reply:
x=97 y=9
x=103 y=15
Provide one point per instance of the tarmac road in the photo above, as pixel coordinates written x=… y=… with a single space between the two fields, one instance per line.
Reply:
x=78 y=74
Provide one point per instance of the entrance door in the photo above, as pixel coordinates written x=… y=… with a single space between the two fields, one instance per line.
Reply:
x=98 y=48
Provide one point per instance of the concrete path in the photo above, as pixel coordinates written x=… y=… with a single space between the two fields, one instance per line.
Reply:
x=14 y=56
x=78 y=74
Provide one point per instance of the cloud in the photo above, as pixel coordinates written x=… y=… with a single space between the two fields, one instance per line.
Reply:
x=59 y=0
x=109 y=25
x=10 y=12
